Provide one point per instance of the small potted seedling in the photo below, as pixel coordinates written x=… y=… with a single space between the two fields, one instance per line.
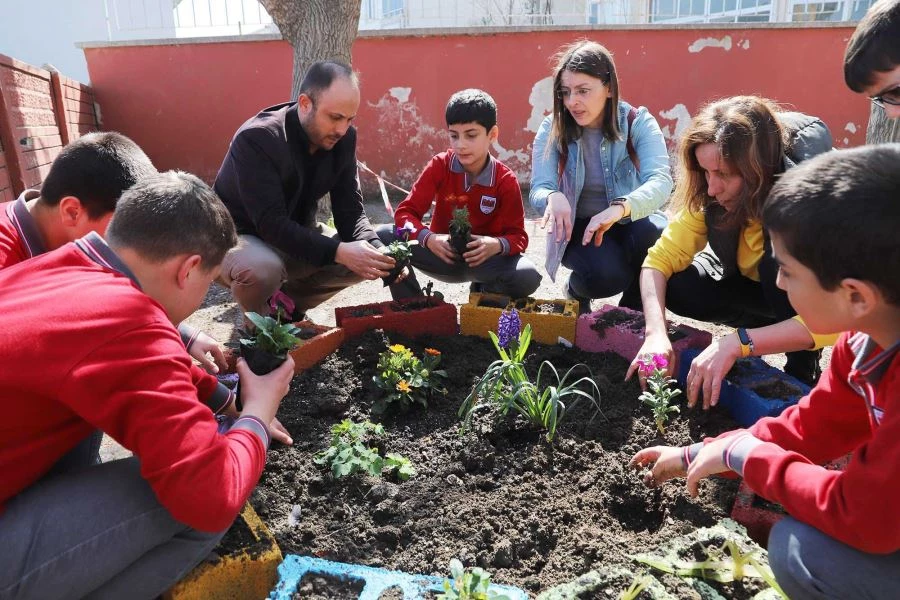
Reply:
x=661 y=391
x=267 y=345
x=400 y=251
x=460 y=230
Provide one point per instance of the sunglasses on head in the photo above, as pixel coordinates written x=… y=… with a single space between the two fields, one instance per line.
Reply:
x=891 y=96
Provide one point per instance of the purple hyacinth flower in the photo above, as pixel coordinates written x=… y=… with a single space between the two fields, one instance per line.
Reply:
x=508 y=327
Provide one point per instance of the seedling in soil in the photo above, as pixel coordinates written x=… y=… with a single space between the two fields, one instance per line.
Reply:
x=660 y=393
x=469 y=584
x=401 y=253
x=267 y=346
x=405 y=379
x=460 y=230
x=637 y=586
x=506 y=386
x=429 y=298
x=349 y=453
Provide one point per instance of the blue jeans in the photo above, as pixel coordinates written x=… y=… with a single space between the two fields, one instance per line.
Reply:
x=614 y=266
x=809 y=564
x=95 y=532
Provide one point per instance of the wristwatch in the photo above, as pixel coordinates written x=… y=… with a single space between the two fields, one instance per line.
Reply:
x=747 y=347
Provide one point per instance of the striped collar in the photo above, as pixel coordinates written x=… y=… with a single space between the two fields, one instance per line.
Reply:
x=868 y=370
x=24 y=223
x=99 y=251
x=486 y=178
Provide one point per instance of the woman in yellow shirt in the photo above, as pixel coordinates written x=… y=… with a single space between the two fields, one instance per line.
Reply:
x=730 y=156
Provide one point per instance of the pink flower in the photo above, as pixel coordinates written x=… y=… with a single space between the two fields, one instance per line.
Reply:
x=660 y=361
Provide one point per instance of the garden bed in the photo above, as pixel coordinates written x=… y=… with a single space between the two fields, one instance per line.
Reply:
x=500 y=496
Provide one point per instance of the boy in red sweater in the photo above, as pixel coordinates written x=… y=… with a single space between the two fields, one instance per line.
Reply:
x=87 y=342
x=468 y=176
x=78 y=196
x=834 y=223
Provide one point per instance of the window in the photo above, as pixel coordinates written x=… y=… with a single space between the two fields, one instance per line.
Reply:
x=391 y=8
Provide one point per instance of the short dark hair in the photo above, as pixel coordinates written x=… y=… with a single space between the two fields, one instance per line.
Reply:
x=170 y=214
x=320 y=75
x=838 y=215
x=471 y=106
x=874 y=46
x=96 y=168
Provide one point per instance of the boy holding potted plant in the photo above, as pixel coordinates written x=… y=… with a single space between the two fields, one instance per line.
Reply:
x=833 y=222
x=127 y=528
x=475 y=196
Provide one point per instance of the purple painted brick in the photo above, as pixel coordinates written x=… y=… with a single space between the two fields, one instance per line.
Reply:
x=624 y=333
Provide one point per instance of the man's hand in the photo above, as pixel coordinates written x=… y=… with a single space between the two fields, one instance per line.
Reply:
x=439 y=245
x=704 y=379
x=665 y=463
x=261 y=394
x=601 y=222
x=208 y=353
x=363 y=259
x=481 y=248
x=653 y=344
x=559 y=215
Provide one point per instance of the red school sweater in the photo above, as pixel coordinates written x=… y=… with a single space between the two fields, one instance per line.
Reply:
x=854 y=408
x=494 y=200
x=83 y=348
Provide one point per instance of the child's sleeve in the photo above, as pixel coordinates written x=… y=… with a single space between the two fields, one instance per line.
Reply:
x=418 y=202
x=512 y=235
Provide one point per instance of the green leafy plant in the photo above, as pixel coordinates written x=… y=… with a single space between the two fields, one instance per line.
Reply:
x=349 y=454
x=506 y=386
x=637 y=586
x=400 y=251
x=460 y=229
x=660 y=393
x=270 y=334
x=469 y=584
x=406 y=379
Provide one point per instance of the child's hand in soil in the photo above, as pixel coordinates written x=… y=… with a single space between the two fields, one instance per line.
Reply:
x=208 y=353
x=279 y=433
x=709 y=461
x=481 y=248
x=439 y=245
x=664 y=462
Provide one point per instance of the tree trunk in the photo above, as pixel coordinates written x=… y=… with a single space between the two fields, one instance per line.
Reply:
x=316 y=30
x=881 y=129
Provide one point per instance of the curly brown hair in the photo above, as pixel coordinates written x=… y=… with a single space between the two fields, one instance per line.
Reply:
x=751 y=143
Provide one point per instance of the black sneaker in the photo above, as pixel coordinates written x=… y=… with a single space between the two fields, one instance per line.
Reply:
x=584 y=304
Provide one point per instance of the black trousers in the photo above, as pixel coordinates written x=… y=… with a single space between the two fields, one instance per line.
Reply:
x=700 y=292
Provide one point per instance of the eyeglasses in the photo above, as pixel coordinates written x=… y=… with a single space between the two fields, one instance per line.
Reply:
x=891 y=96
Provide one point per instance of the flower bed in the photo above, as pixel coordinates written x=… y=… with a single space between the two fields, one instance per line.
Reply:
x=533 y=514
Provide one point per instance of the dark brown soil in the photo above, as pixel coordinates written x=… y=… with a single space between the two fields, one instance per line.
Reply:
x=414 y=305
x=320 y=587
x=366 y=312
x=500 y=496
x=307 y=333
x=776 y=389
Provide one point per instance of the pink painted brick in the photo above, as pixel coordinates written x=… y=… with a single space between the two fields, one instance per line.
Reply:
x=624 y=333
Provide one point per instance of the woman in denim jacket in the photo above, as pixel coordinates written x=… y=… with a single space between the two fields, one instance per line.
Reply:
x=600 y=171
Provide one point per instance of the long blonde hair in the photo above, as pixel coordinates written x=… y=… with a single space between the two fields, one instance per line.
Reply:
x=751 y=142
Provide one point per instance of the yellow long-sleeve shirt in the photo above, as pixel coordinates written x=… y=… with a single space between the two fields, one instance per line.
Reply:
x=686 y=235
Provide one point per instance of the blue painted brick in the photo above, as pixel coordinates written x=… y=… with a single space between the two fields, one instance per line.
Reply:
x=377 y=580
x=738 y=397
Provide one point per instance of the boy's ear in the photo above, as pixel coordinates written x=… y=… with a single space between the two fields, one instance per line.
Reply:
x=71 y=211
x=189 y=266
x=862 y=297
x=494 y=133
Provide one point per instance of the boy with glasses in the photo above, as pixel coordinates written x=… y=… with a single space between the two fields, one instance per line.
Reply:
x=872 y=59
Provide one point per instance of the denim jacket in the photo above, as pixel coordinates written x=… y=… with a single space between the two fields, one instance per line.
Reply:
x=646 y=191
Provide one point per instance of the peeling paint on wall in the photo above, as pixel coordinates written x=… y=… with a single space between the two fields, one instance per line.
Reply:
x=519 y=161
x=851 y=127
x=541 y=101
x=745 y=44
x=400 y=93
x=711 y=42
x=682 y=117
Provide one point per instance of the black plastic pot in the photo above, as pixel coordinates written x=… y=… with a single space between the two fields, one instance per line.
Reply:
x=460 y=243
x=260 y=361
x=395 y=272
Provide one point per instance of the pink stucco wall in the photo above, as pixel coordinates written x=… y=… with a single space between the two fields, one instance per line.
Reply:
x=182 y=102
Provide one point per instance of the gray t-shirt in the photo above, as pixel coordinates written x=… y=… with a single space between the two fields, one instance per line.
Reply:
x=593 y=196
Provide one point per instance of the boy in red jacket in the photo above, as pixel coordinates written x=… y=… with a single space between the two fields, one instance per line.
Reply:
x=87 y=342
x=467 y=176
x=834 y=223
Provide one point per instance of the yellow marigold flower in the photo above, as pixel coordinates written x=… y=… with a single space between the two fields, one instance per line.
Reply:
x=397 y=348
x=432 y=352
x=402 y=386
